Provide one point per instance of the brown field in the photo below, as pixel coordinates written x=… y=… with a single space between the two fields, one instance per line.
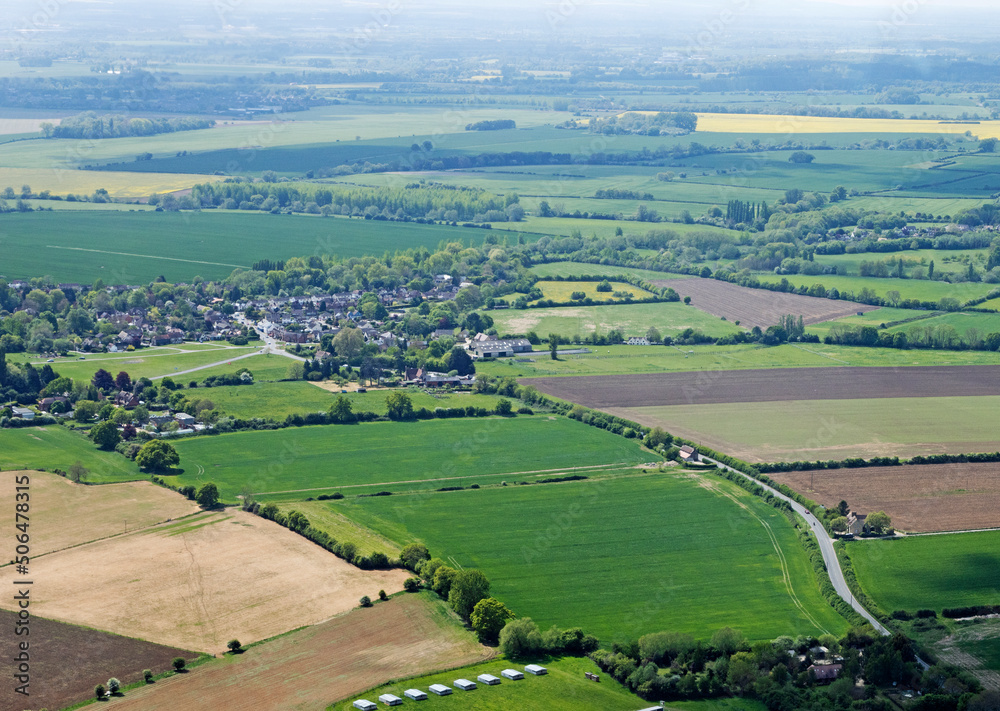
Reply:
x=199 y=582
x=311 y=668
x=758 y=307
x=920 y=499
x=67 y=662
x=111 y=509
x=778 y=385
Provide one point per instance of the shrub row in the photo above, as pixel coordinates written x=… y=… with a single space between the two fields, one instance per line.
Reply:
x=857 y=462
x=970 y=611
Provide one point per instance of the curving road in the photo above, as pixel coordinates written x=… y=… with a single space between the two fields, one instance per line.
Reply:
x=825 y=547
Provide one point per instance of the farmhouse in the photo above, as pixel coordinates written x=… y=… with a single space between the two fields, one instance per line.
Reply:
x=512 y=674
x=465 y=684
x=439 y=689
x=500 y=349
x=46 y=403
x=825 y=672
x=856 y=523
x=689 y=453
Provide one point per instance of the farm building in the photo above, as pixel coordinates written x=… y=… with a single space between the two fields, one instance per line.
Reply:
x=23 y=412
x=689 y=453
x=637 y=341
x=416 y=694
x=440 y=689
x=390 y=700
x=183 y=419
x=488 y=679
x=500 y=349
x=364 y=705
x=536 y=670
x=465 y=684
x=825 y=672
x=513 y=674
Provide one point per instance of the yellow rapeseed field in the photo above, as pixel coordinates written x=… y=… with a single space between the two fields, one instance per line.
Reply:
x=62 y=181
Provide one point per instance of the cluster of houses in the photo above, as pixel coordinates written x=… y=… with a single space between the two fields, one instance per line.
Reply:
x=442 y=690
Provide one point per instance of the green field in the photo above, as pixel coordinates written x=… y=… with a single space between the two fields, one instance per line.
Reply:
x=562 y=291
x=578 y=269
x=950 y=261
x=961 y=322
x=136 y=247
x=622 y=556
x=920 y=289
x=670 y=318
x=833 y=429
x=933 y=572
x=278 y=400
x=151 y=362
x=56 y=447
x=564 y=687
x=623 y=360
x=296 y=463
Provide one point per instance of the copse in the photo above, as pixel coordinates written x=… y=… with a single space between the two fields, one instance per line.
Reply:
x=468 y=587
x=157 y=455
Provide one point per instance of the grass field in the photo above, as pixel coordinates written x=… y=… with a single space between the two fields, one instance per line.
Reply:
x=201 y=581
x=932 y=572
x=148 y=362
x=885 y=315
x=624 y=360
x=307 y=669
x=111 y=509
x=564 y=688
x=833 y=429
x=631 y=319
x=296 y=463
x=920 y=289
x=946 y=261
x=582 y=537
x=960 y=321
x=562 y=291
x=577 y=269
x=55 y=447
x=136 y=247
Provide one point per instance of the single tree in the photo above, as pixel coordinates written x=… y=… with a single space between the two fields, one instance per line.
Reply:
x=147 y=675
x=341 y=410
x=178 y=663
x=460 y=361
x=366 y=601
x=208 y=496
x=520 y=638
x=77 y=472
x=468 y=587
x=348 y=343
x=103 y=381
x=489 y=617
x=504 y=408
x=554 y=346
x=234 y=646
x=879 y=522
x=100 y=692
x=85 y=410
x=653 y=335
x=399 y=406
x=157 y=455
x=413 y=555
x=114 y=686
x=123 y=381
x=105 y=435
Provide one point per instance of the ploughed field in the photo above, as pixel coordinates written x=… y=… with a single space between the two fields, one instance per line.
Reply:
x=929 y=497
x=317 y=665
x=661 y=390
x=67 y=661
x=758 y=307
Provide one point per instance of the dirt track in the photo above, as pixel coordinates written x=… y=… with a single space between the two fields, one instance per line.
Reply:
x=759 y=307
x=932 y=497
x=663 y=389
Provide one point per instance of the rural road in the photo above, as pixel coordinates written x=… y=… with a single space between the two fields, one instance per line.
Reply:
x=825 y=546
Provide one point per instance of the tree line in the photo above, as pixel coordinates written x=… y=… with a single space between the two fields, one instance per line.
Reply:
x=93 y=125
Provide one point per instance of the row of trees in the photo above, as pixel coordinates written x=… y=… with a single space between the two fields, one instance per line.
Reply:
x=93 y=125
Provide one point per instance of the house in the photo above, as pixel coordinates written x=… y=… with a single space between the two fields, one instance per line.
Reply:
x=512 y=674
x=294 y=336
x=127 y=400
x=637 y=341
x=416 y=694
x=365 y=705
x=465 y=684
x=23 y=412
x=500 y=349
x=488 y=679
x=46 y=403
x=856 y=523
x=536 y=670
x=390 y=700
x=439 y=689
x=689 y=453
x=184 y=420
x=825 y=672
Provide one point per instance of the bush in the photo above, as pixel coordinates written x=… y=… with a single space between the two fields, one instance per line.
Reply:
x=100 y=691
x=147 y=675
x=114 y=686
x=411 y=584
x=382 y=595
x=366 y=601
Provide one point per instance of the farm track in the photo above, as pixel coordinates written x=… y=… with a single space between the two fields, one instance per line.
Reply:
x=758 y=307
x=778 y=385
